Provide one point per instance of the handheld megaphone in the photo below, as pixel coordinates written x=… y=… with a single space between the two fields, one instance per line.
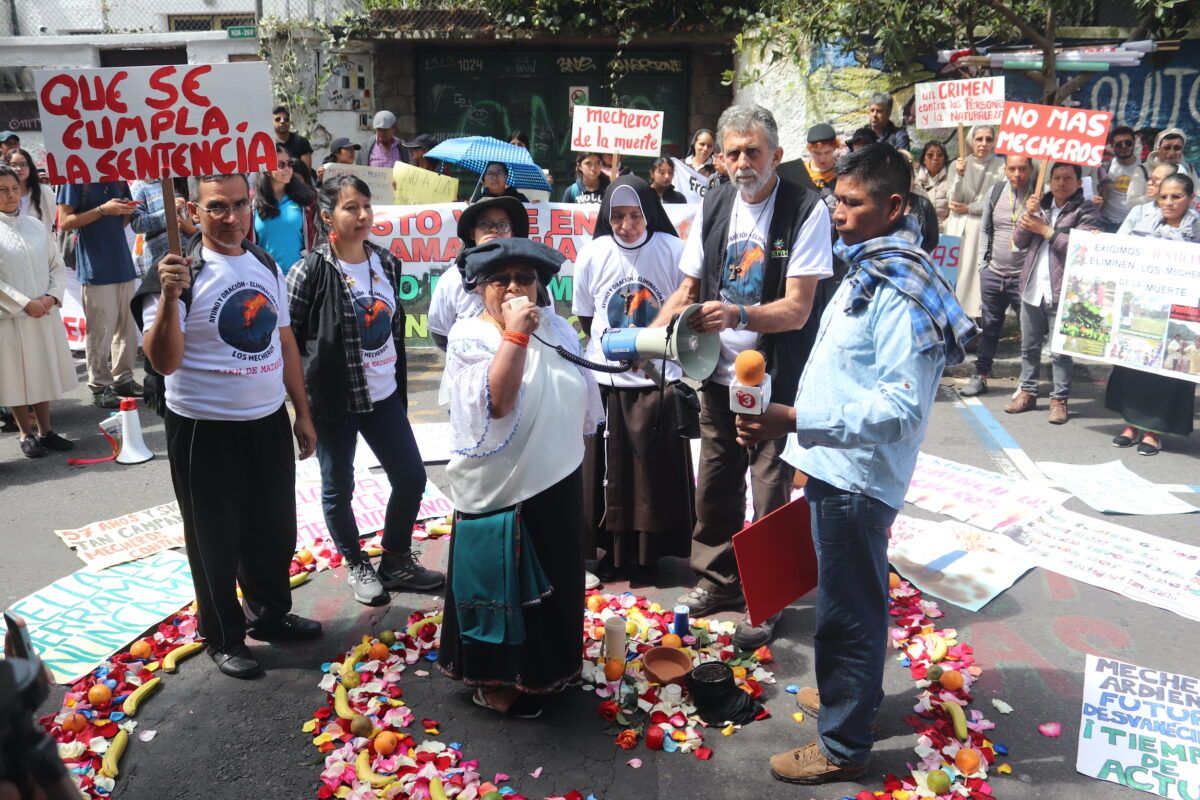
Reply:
x=696 y=353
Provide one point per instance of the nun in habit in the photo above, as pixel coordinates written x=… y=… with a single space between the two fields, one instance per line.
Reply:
x=972 y=181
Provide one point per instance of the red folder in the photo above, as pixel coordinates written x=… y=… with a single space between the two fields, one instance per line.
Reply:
x=776 y=560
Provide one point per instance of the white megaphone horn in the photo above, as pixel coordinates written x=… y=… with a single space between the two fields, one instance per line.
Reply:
x=696 y=353
x=129 y=427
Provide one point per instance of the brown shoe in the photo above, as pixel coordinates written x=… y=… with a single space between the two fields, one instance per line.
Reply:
x=1024 y=401
x=808 y=700
x=808 y=765
x=1058 y=411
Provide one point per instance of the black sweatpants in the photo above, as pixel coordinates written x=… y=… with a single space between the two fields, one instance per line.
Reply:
x=236 y=487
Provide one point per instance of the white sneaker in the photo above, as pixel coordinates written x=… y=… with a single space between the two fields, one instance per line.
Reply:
x=590 y=581
x=365 y=583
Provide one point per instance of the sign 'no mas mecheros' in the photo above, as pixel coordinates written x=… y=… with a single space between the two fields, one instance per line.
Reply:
x=128 y=123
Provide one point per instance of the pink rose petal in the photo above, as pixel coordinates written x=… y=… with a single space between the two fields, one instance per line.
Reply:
x=537 y=773
x=501 y=777
x=1050 y=729
x=636 y=763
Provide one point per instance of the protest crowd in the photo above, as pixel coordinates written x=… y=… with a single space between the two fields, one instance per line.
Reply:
x=278 y=327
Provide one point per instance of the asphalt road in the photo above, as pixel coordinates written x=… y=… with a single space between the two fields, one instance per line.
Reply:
x=218 y=737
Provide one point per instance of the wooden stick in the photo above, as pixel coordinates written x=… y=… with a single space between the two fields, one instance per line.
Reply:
x=171 y=214
x=616 y=165
x=1039 y=187
x=962 y=142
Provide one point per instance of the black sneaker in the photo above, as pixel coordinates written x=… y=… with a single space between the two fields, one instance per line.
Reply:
x=107 y=398
x=236 y=662
x=52 y=441
x=402 y=572
x=129 y=388
x=31 y=448
x=287 y=626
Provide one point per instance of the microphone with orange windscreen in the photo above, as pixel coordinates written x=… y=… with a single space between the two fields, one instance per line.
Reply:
x=750 y=392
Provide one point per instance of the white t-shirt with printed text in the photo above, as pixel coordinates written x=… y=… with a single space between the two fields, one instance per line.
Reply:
x=232 y=367
x=744 y=263
x=450 y=302
x=374 y=310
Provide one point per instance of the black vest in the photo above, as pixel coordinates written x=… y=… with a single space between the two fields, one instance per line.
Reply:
x=786 y=352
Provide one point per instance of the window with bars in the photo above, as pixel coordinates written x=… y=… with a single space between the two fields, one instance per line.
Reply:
x=207 y=22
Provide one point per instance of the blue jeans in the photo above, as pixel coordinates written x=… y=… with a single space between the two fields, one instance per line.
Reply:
x=850 y=534
x=385 y=428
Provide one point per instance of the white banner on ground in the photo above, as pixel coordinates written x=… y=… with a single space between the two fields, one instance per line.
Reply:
x=138 y=534
x=1113 y=488
x=986 y=499
x=947 y=104
x=1139 y=728
x=1131 y=301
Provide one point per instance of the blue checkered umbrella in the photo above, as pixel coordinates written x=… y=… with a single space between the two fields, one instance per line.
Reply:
x=476 y=152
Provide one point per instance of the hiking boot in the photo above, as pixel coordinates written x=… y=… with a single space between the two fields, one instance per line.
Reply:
x=365 y=583
x=752 y=637
x=52 y=441
x=809 y=765
x=129 y=388
x=31 y=448
x=400 y=571
x=701 y=602
x=107 y=398
x=975 y=387
x=1024 y=401
x=1058 y=411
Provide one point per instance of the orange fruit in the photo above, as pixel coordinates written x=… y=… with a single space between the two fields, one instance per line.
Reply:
x=671 y=640
x=967 y=760
x=99 y=695
x=378 y=652
x=614 y=668
x=893 y=580
x=595 y=602
x=952 y=680
x=304 y=556
x=141 y=649
x=386 y=743
x=74 y=722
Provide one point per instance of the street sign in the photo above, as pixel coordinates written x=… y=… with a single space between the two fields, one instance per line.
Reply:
x=242 y=31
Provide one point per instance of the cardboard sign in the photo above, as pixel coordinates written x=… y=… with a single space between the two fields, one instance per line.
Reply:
x=947 y=257
x=629 y=131
x=1131 y=301
x=415 y=186
x=377 y=179
x=78 y=622
x=1053 y=133
x=136 y=535
x=1138 y=728
x=945 y=104
x=126 y=123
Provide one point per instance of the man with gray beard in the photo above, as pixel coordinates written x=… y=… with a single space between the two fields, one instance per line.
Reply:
x=753 y=261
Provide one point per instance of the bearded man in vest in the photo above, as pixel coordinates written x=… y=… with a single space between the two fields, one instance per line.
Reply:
x=753 y=262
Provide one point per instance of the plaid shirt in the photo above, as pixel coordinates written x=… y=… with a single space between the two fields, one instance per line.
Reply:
x=150 y=220
x=937 y=318
x=305 y=282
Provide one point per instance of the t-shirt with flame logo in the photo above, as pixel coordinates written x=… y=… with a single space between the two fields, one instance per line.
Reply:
x=374 y=309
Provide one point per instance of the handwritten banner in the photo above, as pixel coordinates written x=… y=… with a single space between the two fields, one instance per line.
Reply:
x=377 y=179
x=1131 y=301
x=947 y=256
x=136 y=535
x=1054 y=133
x=974 y=495
x=630 y=131
x=945 y=104
x=1139 y=728
x=416 y=186
x=128 y=123
x=78 y=622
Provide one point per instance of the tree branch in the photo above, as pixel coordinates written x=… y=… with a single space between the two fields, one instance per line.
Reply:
x=1036 y=76
x=1024 y=27
x=1069 y=88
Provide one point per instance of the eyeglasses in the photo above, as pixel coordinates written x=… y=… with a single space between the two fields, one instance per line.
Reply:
x=220 y=210
x=494 y=173
x=287 y=163
x=487 y=226
x=503 y=279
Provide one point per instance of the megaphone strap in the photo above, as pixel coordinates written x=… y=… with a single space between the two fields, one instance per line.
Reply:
x=624 y=366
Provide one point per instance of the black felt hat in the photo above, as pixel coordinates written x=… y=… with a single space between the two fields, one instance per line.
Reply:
x=481 y=260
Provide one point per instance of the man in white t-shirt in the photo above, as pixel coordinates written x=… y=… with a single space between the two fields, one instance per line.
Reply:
x=1124 y=179
x=753 y=260
x=216 y=325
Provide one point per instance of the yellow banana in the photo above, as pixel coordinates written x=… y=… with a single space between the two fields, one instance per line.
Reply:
x=436 y=791
x=135 y=698
x=341 y=703
x=112 y=756
x=171 y=660
x=299 y=578
x=438 y=530
x=354 y=656
x=436 y=619
x=362 y=768
x=959 y=718
x=936 y=646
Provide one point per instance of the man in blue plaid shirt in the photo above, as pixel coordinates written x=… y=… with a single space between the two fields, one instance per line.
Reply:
x=856 y=428
x=150 y=220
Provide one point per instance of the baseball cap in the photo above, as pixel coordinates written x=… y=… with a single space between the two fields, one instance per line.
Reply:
x=383 y=119
x=6 y=135
x=423 y=141
x=342 y=143
x=823 y=132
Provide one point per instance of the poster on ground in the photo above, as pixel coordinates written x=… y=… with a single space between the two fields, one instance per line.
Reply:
x=78 y=622
x=369 y=505
x=109 y=542
x=1054 y=133
x=1131 y=301
x=1139 y=728
x=126 y=123
x=947 y=104
x=1113 y=488
x=986 y=499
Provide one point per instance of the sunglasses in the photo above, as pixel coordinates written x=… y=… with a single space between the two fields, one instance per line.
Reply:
x=287 y=163
x=502 y=280
x=1125 y=143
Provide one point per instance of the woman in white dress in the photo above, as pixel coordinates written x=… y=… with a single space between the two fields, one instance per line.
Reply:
x=974 y=176
x=35 y=364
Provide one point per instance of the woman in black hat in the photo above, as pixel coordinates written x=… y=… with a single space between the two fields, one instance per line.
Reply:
x=518 y=413
x=638 y=477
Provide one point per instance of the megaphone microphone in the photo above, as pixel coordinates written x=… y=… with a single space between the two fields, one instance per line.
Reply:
x=750 y=392
x=695 y=352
